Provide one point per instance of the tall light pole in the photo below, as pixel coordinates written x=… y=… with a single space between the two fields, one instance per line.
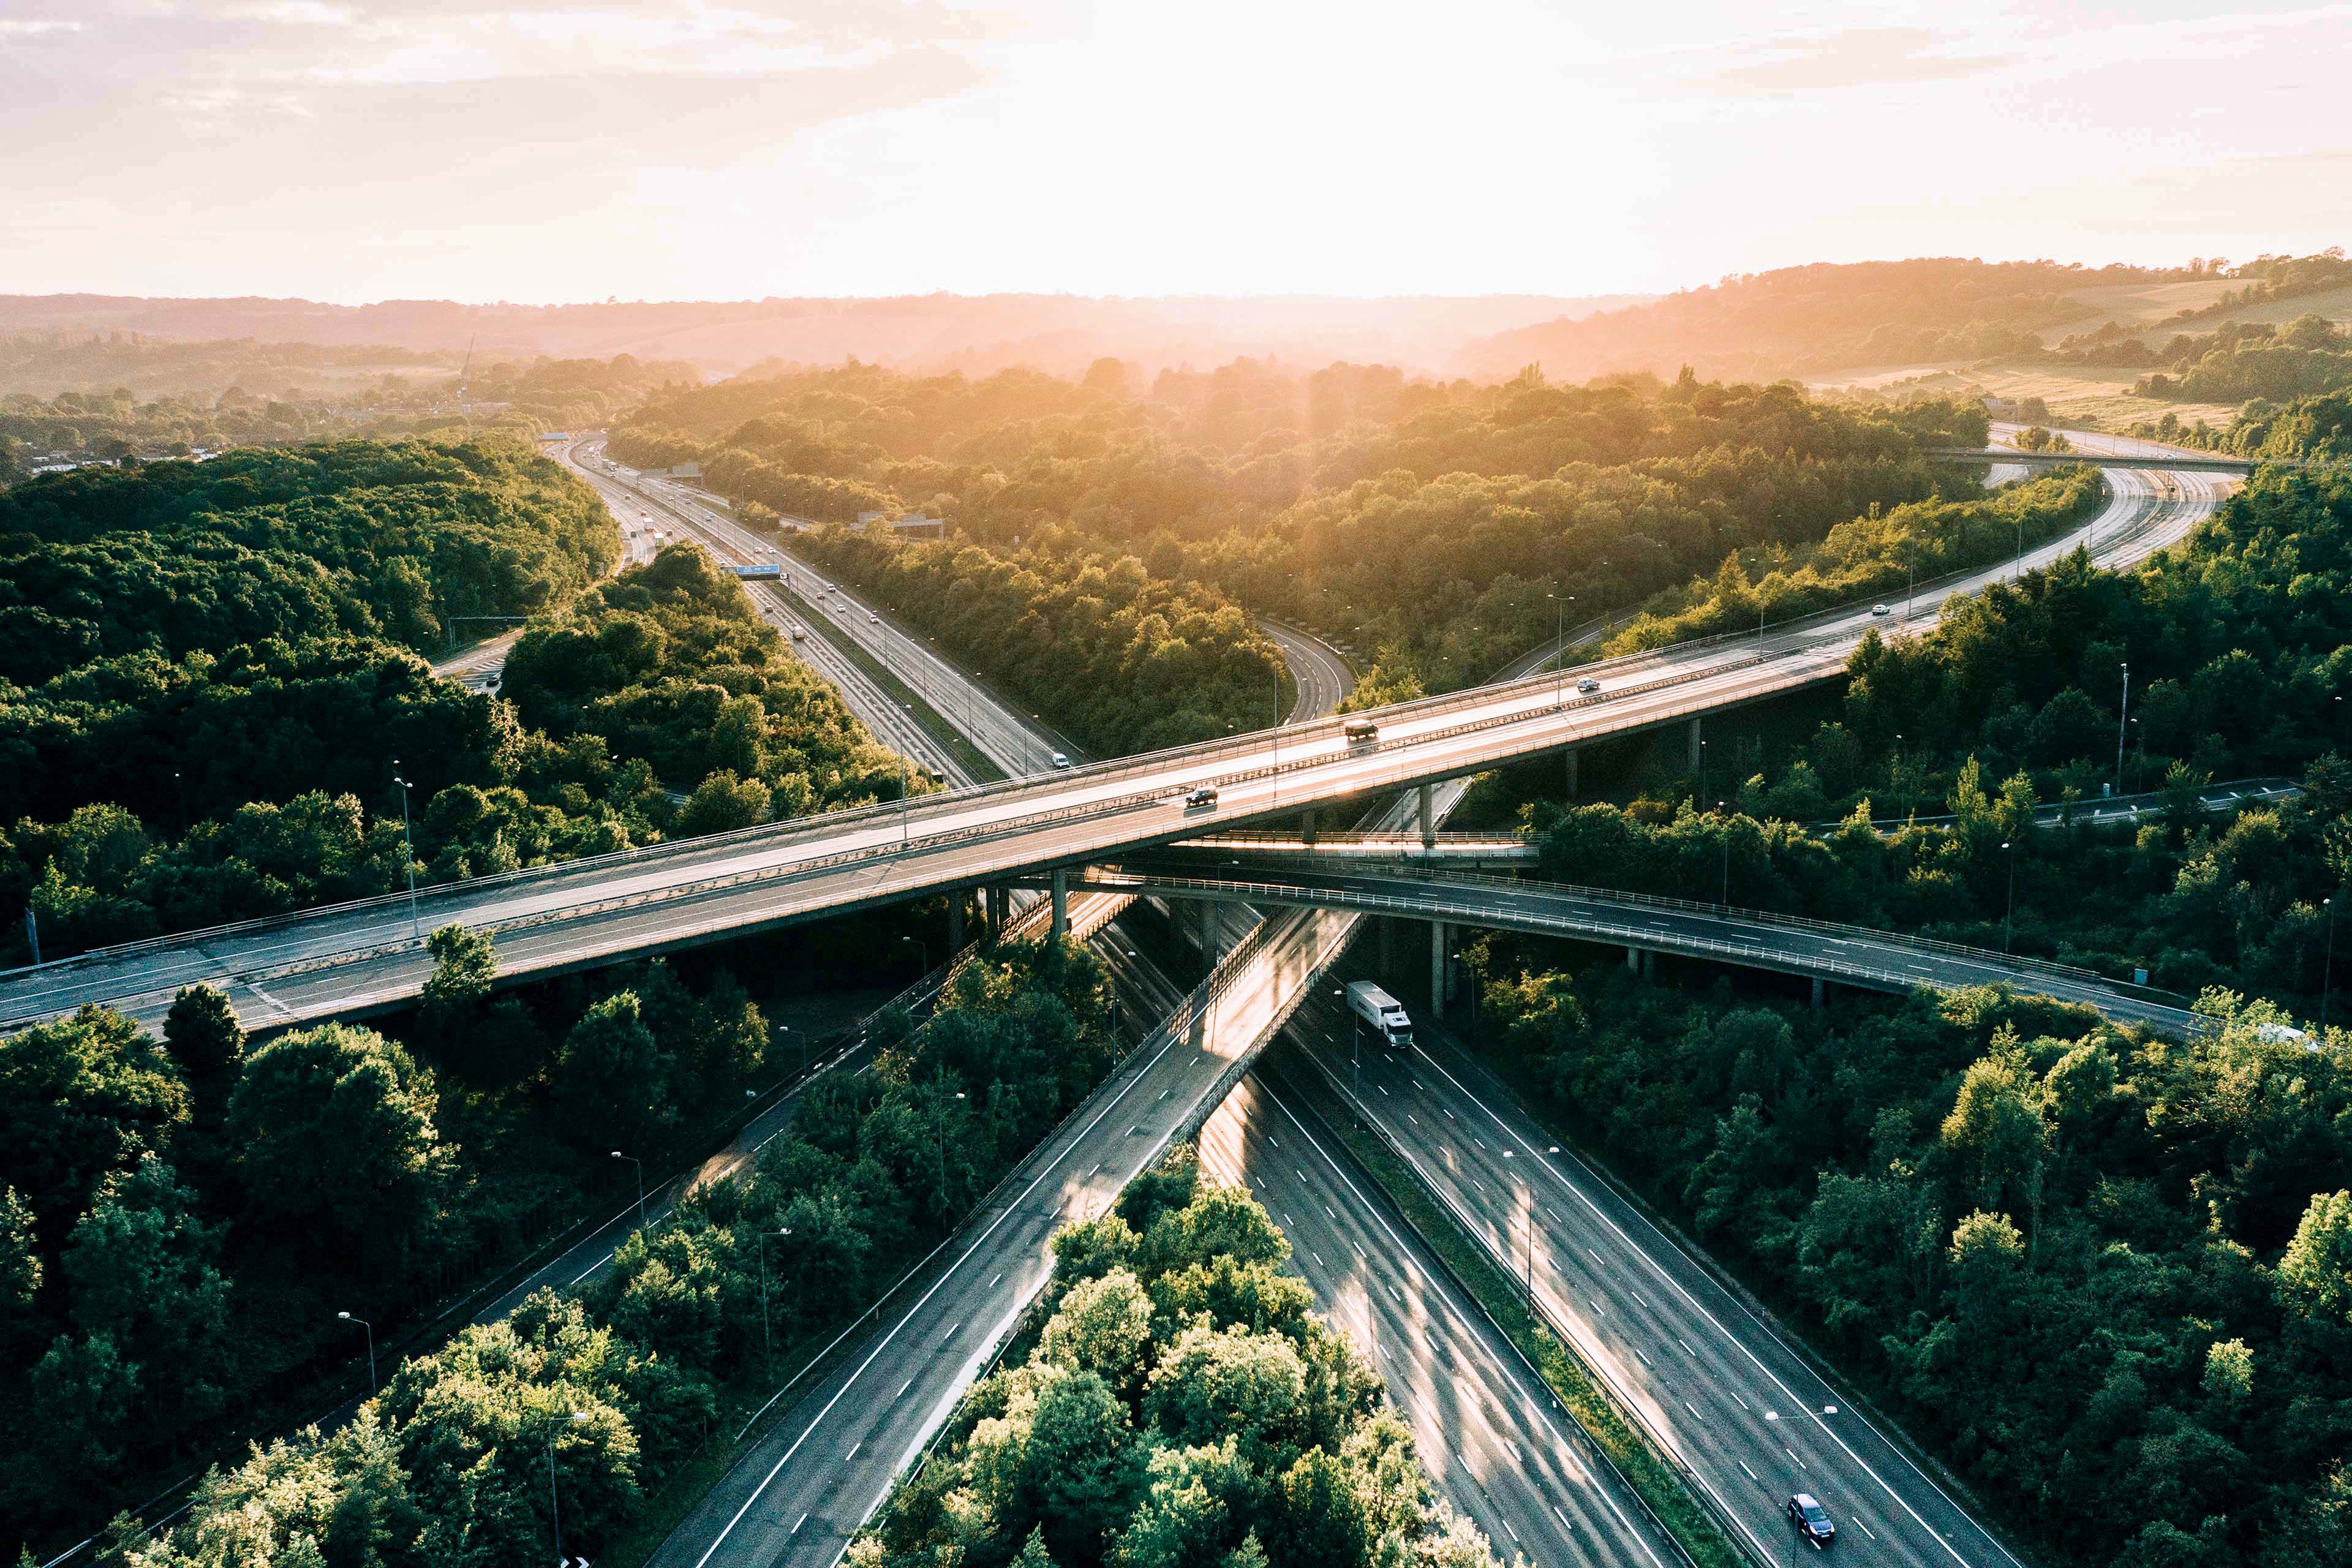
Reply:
x=2327 y=972
x=362 y=1323
x=2009 y=915
x=554 y=1509
x=2122 y=714
x=640 y=1164
x=1727 y=853
x=408 y=846
x=922 y=947
x=767 y=1333
x=1559 y=646
x=943 y=1155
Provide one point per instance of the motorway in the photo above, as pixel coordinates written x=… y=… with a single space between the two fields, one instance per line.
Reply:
x=1712 y=1378
x=353 y=959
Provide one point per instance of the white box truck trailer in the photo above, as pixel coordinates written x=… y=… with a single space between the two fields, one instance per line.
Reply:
x=1383 y=1013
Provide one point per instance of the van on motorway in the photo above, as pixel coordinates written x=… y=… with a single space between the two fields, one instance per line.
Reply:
x=1061 y=762
x=1362 y=732
x=1200 y=797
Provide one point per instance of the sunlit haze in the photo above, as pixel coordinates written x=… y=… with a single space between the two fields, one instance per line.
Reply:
x=558 y=150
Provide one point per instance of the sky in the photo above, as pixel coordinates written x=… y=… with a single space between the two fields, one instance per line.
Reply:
x=544 y=151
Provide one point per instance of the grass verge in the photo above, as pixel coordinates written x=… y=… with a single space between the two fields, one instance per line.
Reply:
x=932 y=722
x=1645 y=1468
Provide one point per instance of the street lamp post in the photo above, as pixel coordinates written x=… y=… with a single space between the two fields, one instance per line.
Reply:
x=943 y=1154
x=554 y=1509
x=767 y=1333
x=2327 y=972
x=2122 y=714
x=362 y=1323
x=408 y=846
x=640 y=1164
x=922 y=947
x=2009 y=915
x=1727 y=855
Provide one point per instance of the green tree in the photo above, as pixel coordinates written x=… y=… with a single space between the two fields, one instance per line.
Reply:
x=334 y=1128
x=81 y=1098
x=206 y=1039
x=613 y=1081
x=465 y=966
x=2316 y=1273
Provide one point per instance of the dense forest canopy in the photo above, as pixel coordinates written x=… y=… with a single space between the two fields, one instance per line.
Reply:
x=204 y=697
x=1447 y=526
x=86 y=400
x=180 y=1220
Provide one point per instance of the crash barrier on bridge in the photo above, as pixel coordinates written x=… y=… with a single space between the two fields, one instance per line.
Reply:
x=1624 y=933
x=772 y=836
x=1629 y=1409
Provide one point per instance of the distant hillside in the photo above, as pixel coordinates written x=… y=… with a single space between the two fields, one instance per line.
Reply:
x=1060 y=334
x=1806 y=321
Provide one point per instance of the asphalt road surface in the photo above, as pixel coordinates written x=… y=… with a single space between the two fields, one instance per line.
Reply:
x=1711 y=1377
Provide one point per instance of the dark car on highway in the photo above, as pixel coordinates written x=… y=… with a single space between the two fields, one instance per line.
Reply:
x=1811 y=1520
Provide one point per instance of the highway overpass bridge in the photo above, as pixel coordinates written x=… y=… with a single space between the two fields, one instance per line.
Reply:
x=365 y=957
x=1643 y=924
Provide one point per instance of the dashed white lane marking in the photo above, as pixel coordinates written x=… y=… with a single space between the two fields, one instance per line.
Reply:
x=1598 y=1307
x=853 y=1450
x=992 y=1284
x=1596 y=1256
x=1319 y=1258
x=902 y=1390
x=951 y=1330
x=804 y=1520
x=1686 y=1346
x=1694 y=1410
x=1793 y=1453
x=1743 y=1404
x=1645 y=1359
x=1752 y=1475
x=1563 y=1518
x=1862 y=1527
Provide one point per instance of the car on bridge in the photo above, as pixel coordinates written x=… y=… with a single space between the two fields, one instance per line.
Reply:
x=1811 y=1520
x=1587 y=687
x=1061 y=762
x=1200 y=798
x=1362 y=732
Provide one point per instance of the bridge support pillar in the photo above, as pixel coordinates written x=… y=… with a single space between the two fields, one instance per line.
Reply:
x=1649 y=964
x=1207 y=934
x=1633 y=961
x=1690 y=764
x=1306 y=827
x=1437 y=967
x=1428 y=820
x=1000 y=912
x=1388 y=944
x=955 y=922
x=1061 y=903
x=1571 y=773
x=1818 y=989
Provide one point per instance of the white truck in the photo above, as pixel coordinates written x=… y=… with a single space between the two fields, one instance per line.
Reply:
x=1384 y=1013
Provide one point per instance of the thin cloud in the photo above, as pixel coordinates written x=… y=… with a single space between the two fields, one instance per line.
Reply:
x=1875 y=56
